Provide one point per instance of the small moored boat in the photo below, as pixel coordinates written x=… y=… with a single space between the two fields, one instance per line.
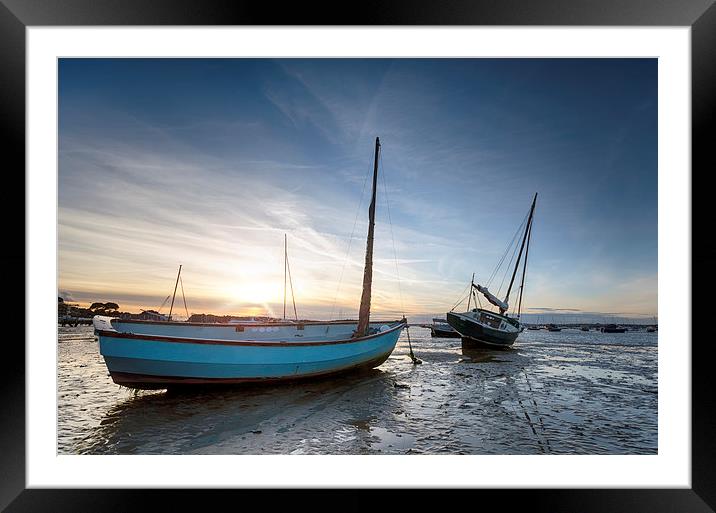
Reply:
x=164 y=354
x=613 y=328
x=441 y=328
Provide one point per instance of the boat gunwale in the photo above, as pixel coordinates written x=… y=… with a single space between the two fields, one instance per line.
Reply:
x=510 y=320
x=247 y=324
x=268 y=343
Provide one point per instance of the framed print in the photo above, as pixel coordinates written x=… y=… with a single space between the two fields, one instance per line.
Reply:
x=444 y=248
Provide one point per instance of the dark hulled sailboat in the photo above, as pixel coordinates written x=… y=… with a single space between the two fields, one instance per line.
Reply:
x=496 y=329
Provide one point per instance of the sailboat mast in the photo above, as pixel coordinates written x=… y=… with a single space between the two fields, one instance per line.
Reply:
x=522 y=247
x=175 y=293
x=524 y=270
x=469 y=294
x=364 y=312
x=285 y=264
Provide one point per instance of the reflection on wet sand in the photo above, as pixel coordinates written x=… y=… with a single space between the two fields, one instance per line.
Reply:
x=201 y=417
x=478 y=354
x=552 y=393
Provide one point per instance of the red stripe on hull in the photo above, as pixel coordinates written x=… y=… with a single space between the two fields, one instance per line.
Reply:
x=247 y=325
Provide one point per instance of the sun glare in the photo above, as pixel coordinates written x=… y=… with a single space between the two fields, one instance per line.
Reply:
x=253 y=292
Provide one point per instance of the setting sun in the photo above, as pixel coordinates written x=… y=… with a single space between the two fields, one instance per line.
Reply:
x=259 y=291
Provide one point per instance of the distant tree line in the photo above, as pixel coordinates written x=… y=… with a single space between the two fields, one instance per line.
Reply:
x=65 y=309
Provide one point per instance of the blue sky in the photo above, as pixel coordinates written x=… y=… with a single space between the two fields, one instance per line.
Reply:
x=208 y=162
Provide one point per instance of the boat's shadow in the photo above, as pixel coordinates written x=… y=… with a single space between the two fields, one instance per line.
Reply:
x=494 y=361
x=129 y=426
x=479 y=353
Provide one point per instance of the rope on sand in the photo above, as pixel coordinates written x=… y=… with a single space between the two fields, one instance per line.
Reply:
x=416 y=361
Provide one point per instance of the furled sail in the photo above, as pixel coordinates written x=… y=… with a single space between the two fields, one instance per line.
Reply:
x=492 y=299
x=364 y=312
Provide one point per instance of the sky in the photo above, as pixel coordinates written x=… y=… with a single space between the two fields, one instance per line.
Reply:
x=208 y=163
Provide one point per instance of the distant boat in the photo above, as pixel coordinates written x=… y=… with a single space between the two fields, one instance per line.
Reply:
x=152 y=315
x=612 y=328
x=164 y=354
x=533 y=328
x=441 y=328
x=553 y=327
x=584 y=328
x=490 y=328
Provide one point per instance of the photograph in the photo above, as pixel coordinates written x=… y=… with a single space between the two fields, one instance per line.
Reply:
x=357 y=256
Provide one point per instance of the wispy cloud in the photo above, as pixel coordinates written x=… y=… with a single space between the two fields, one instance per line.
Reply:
x=159 y=175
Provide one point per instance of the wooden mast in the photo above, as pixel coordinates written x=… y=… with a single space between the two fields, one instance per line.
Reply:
x=522 y=247
x=364 y=312
x=285 y=264
x=175 y=293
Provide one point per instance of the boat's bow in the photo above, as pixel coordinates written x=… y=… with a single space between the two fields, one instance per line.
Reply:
x=102 y=323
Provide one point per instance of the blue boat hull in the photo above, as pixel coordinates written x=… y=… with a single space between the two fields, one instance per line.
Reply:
x=154 y=361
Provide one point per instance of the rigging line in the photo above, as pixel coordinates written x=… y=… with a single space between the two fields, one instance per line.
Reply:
x=507 y=269
x=164 y=303
x=415 y=360
x=515 y=312
x=290 y=281
x=390 y=222
x=175 y=293
x=514 y=238
x=507 y=249
x=350 y=241
x=462 y=298
x=181 y=282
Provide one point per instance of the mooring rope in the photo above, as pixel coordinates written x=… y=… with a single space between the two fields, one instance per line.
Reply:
x=544 y=431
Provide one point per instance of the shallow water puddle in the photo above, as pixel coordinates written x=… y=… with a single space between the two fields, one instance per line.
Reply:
x=390 y=441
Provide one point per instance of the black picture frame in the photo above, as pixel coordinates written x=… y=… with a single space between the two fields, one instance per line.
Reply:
x=17 y=15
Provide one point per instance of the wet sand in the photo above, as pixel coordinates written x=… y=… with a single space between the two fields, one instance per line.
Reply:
x=568 y=392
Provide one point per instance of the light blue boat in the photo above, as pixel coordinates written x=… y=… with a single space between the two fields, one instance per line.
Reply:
x=161 y=354
x=164 y=354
